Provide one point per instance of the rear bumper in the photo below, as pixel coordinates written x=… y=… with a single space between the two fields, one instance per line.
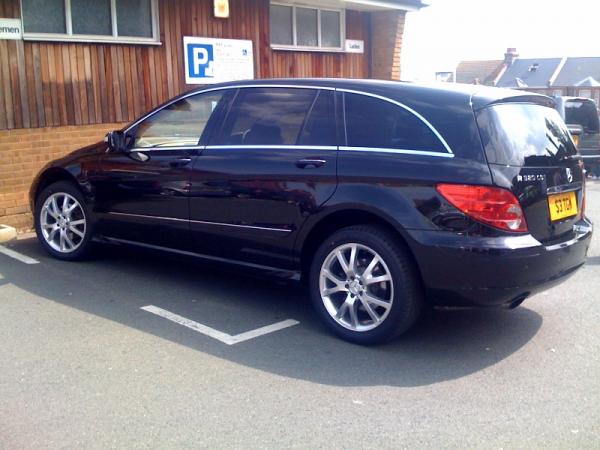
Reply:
x=479 y=271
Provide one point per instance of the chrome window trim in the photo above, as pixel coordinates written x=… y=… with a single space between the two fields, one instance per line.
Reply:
x=291 y=146
x=407 y=108
x=304 y=86
x=175 y=219
x=398 y=151
x=220 y=88
x=162 y=149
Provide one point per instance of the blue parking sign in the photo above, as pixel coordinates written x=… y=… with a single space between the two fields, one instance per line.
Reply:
x=200 y=59
x=210 y=60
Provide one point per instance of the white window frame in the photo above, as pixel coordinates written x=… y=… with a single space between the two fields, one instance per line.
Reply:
x=318 y=47
x=114 y=38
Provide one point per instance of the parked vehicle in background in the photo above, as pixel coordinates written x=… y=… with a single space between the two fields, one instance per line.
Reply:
x=384 y=197
x=581 y=115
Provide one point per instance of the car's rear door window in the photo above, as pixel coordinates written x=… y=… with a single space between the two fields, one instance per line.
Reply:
x=320 y=126
x=267 y=116
x=379 y=124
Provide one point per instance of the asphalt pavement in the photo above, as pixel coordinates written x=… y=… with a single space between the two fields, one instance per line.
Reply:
x=135 y=349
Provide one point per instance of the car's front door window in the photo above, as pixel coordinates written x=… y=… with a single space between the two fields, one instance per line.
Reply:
x=179 y=124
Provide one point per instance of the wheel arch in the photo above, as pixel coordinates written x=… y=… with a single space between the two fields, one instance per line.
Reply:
x=48 y=177
x=342 y=218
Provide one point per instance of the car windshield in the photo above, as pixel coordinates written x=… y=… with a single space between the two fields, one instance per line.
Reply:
x=582 y=112
x=524 y=134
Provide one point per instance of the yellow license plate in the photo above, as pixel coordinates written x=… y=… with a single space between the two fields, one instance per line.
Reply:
x=562 y=205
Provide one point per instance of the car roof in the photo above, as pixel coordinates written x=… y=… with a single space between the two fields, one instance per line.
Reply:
x=477 y=96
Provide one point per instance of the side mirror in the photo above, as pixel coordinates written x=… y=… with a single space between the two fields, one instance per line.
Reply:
x=117 y=141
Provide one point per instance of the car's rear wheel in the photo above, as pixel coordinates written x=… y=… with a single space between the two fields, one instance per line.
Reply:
x=364 y=285
x=62 y=221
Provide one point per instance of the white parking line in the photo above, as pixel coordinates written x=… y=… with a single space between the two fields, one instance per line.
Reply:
x=216 y=334
x=18 y=256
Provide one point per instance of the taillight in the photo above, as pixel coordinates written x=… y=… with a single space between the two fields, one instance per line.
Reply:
x=491 y=205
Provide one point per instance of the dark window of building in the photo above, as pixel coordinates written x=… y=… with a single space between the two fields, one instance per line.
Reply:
x=307 y=28
x=91 y=18
x=134 y=18
x=129 y=21
x=44 y=16
x=330 y=29
x=376 y=123
x=320 y=128
x=179 y=124
x=267 y=116
x=281 y=25
x=307 y=22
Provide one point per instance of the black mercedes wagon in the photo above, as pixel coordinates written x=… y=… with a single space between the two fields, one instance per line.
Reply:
x=384 y=197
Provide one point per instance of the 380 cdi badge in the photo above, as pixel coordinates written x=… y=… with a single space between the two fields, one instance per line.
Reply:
x=383 y=196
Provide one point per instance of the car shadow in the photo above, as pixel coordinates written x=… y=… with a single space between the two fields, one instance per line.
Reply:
x=448 y=344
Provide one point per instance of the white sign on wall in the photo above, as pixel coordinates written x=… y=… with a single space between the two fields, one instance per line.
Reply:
x=209 y=61
x=11 y=29
x=355 y=46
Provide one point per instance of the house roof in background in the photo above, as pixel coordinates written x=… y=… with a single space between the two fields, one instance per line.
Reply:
x=484 y=71
x=529 y=72
x=577 y=70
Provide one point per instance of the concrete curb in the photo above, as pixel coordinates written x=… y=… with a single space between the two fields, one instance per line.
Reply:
x=7 y=233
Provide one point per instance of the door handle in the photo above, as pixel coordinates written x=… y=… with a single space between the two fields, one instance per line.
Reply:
x=308 y=163
x=180 y=162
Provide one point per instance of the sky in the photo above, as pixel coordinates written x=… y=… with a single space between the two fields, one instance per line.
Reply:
x=437 y=37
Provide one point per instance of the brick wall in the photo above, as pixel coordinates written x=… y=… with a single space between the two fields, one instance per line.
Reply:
x=23 y=152
x=387 y=28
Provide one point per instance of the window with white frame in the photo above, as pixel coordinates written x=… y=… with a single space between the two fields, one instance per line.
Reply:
x=127 y=21
x=296 y=27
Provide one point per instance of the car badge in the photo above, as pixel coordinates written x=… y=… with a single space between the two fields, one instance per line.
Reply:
x=569 y=175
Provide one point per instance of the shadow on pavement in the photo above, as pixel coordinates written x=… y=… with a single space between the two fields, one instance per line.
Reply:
x=119 y=280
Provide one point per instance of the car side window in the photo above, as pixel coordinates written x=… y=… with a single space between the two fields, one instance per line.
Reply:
x=320 y=126
x=376 y=123
x=179 y=124
x=267 y=116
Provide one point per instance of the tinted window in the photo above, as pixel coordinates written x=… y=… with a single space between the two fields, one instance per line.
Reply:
x=134 y=18
x=267 y=116
x=91 y=17
x=371 y=122
x=44 y=16
x=320 y=128
x=179 y=124
x=584 y=113
x=524 y=134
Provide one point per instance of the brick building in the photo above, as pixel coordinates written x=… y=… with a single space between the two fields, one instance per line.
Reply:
x=71 y=70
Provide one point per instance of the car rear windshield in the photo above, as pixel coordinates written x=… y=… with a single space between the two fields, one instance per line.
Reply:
x=584 y=113
x=524 y=134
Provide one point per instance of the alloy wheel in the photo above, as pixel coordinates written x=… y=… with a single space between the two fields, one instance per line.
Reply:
x=356 y=287
x=63 y=222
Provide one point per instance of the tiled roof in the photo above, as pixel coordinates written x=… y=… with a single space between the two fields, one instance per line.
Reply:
x=483 y=71
x=533 y=73
x=577 y=70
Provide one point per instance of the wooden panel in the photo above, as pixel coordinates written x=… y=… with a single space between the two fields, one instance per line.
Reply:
x=57 y=84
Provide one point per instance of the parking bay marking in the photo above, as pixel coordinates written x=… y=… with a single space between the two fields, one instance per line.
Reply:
x=18 y=256
x=216 y=334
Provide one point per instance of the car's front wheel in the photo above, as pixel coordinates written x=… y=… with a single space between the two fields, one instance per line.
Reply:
x=364 y=285
x=62 y=221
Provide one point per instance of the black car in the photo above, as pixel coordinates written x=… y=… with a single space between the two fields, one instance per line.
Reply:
x=581 y=116
x=384 y=197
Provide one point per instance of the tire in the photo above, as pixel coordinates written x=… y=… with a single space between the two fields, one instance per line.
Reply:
x=399 y=300
x=76 y=223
